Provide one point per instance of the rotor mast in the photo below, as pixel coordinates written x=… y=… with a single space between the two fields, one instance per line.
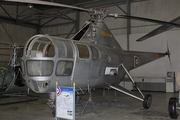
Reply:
x=96 y=15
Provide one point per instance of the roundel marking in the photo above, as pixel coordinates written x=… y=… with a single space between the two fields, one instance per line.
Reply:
x=136 y=61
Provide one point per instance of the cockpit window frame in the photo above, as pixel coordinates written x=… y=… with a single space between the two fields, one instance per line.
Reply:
x=38 y=48
x=36 y=66
x=80 y=54
x=67 y=71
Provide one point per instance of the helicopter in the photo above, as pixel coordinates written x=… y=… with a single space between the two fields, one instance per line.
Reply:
x=91 y=59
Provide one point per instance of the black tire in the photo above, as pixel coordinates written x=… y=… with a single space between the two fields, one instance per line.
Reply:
x=147 y=101
x=173 y=104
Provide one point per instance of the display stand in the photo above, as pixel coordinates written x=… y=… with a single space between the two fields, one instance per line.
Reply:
x=65 y=102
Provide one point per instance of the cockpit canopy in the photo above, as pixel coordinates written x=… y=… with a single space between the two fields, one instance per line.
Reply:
x=42 y=52
x=40 y=47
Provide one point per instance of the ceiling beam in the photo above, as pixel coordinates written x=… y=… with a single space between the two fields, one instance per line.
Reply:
x=17 y=22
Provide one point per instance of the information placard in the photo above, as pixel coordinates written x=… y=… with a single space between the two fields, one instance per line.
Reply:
x=65 y=105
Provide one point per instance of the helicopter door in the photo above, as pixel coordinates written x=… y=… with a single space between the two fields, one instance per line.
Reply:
x=82 y=66
x=95 y=66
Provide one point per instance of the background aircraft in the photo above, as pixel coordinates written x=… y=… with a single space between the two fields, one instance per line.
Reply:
x=11 y=81
x=12 y=86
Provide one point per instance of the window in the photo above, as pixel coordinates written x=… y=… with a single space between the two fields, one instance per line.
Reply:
x=83 y=51
x=39 y=67
x=64 y=68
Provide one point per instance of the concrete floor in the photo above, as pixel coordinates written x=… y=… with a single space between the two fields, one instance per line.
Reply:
x=126 y=109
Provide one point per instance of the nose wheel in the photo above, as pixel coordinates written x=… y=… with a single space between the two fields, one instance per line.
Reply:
x=173 y=108
x=147 y=101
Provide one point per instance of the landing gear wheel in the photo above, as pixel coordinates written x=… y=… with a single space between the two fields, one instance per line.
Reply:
x=173 y=104
x=147 y=101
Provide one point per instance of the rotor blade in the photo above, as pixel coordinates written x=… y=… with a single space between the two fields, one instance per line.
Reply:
x=40 y=2
x=160 y=29
x=143 y=19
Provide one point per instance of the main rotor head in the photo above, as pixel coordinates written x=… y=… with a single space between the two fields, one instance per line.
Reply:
x=98 y=14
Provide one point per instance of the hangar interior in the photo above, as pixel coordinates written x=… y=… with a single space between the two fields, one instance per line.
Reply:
x=20 y=21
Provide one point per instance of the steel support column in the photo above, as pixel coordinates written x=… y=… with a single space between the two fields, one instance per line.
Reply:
x=77 y=21
x=128 y=22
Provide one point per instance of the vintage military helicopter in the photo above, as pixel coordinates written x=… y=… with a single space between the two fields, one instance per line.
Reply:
x=92 y=58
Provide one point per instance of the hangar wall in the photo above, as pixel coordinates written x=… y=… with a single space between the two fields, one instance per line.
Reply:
x=10 y=34
x=61 y=29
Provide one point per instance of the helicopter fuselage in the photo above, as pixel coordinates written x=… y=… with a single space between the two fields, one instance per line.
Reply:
x=68 y=61
x=91 y=59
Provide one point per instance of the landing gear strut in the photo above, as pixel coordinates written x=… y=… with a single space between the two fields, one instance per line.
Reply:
x=147 y=99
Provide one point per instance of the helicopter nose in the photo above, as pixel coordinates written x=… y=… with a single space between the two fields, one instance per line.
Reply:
x=39 y=86
x=47 y=59
x=38 y=74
